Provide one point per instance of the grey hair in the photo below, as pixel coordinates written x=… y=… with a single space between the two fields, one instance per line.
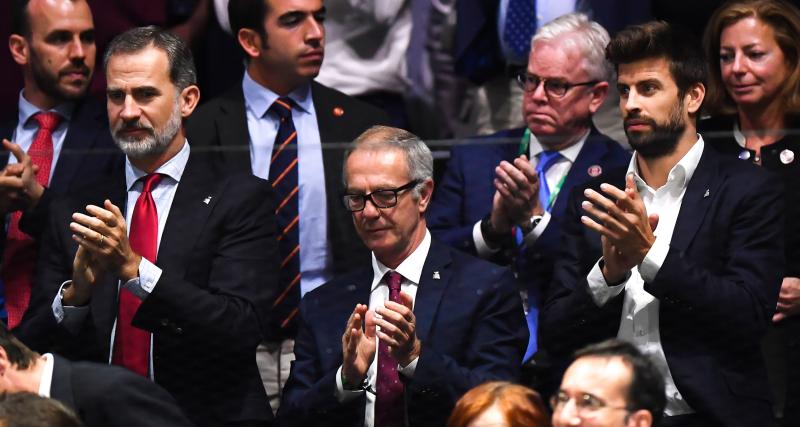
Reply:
x=576 y=29
x=182 y=72
x=418 y=156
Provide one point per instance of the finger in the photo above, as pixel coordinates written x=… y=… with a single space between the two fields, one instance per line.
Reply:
x=402 y=309
x=115 y=210
x=106 y=216
x=91 y=227
x=502 y=189
x=519 y=178
x=16 y=150
x=653 y=220
x=370 y=324
x=607 y=220
x=524 y=165
x=407 y=300
x=388 y=340
x=594 y=226
x=389 y=314
x=87 y=244
x=387 y=327
x=502 y=174
x=613 y=192
x=609 y=205
x=777 y=317
x=14 y=169
x=11 y=182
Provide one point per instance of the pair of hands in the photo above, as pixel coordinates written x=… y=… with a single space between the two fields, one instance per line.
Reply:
x=625 y=228
x=516 y=197
x=19 y=189
x=103 y=247
x=397 y=326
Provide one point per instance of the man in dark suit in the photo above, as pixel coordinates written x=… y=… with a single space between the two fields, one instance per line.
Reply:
x=284 y=43
x=100 y=395
x=182 y=298
x=681 y=253
x=490 y=188
x=398 y=342
x=57 y=130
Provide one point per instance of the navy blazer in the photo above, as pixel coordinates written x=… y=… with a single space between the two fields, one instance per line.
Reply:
x=717 y=288
x=470 y=322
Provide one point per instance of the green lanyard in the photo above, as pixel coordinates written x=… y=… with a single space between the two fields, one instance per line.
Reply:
x=524 y=144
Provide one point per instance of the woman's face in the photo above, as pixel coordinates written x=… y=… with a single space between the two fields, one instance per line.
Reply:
x=752 y=64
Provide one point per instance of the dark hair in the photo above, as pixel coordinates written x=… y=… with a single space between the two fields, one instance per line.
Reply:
x=647 y=390
x=249 y=14
x=17 y=353
x=32 y=410
x=182 y=72
x=658 y=39
x=520 y=406
x=784 y=20
x=20 y=23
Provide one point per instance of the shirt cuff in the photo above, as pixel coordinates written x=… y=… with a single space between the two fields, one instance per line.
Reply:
x=483 y=248
x=408 y=370
x=654 y=259
x=600 y=291
x=143 y=285
x=343 y=395
x=70 y=317
x=537 y=231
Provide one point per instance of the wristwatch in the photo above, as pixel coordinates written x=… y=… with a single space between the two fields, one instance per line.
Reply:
x=528 y=226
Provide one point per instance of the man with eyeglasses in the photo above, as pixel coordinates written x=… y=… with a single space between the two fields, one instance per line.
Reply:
x=609 y=384
x=399 y=341
x=502 y=196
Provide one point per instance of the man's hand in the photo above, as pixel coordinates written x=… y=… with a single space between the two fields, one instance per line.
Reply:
x=103 y=233
x=18 y=186
x=85 y=273
x=516 y=197
x=358 y=345
x=625 y=227
x=398 y=328
x=788 y=299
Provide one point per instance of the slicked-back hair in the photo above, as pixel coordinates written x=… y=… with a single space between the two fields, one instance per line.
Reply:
x=418 y=156
x=588 y=36
x=647 y=390
x=182 y=72
x=658 y=39
x=784 y=20
x=249 y=14
x=18 y=354
x=31 y=410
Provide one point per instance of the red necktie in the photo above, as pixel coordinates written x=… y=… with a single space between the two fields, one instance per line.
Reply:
x=390 y=407
x=131 y=344
x=19 y=257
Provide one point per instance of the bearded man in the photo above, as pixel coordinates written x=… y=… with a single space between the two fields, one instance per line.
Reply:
x=681 y=254
x=167 y=268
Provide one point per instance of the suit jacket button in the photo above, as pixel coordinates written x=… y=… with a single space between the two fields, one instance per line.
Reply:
x=164 y=322
x=178 y=330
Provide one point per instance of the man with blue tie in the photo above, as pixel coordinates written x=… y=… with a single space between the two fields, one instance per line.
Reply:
x=502 y=196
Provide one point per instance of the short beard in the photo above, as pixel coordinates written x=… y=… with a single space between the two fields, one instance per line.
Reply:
x=49 y=83
x=156 y=143
x=663 y=140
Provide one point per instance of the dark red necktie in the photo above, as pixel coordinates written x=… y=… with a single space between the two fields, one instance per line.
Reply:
x=19 y=256
x=131 y=344
x=390 y=406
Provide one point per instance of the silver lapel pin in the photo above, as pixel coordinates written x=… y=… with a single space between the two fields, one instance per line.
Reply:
x=207 y=200
x=708 y=193
x=436 y=275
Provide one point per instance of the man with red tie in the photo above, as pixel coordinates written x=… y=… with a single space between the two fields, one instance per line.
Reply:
x=397 y=342
x=172 y=265
x=56 y=132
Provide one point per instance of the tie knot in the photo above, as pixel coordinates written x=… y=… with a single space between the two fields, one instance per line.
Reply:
x=150 y=181
x=282 y=107
x=47 y=120
x=394 y=279
x=546 y=160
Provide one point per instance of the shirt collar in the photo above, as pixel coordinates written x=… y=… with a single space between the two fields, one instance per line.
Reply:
x=258 y=98
x=46 y=381
x=27 y=110
x=410 y=268
x=570 y=153
x=173 y=168
x=681 y=173
x=738 y=135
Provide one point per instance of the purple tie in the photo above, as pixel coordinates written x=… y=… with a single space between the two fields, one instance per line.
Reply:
x=390 y=407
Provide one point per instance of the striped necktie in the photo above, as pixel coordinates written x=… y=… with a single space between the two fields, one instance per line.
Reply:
x=283 y=174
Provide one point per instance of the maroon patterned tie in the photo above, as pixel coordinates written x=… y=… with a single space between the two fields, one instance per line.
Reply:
x=390 y=408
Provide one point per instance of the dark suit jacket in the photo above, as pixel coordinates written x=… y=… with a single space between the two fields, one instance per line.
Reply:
x=470 y=322
x=109 y=396
x=218 y=257
x=222 y=123
x=717 y=288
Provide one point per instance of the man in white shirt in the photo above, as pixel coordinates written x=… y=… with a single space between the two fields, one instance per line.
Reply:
x=680 y=252
x=398 y=342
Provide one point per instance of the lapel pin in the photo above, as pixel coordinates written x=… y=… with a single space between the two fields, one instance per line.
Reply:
x=787 y=156
x=594 y=171
x=707 y=193
x=207 y=200
x=436 y=275
x=338 y=111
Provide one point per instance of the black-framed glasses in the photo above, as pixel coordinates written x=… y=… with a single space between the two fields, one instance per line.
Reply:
x=380 y=198
x=553 y=87
x=585 y=403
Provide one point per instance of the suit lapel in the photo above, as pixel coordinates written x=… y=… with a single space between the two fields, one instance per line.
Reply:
x=700 y=194
x=233 y=131
x=590 y=155
x=80 y=139
x=435 y=278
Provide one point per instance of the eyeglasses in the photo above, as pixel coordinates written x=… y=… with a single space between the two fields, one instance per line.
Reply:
x=585 y=403
x=553 y=87
x=381 y=198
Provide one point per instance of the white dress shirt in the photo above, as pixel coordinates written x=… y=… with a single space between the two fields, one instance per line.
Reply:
x=411 y=270
x=557 y=172
x=315 y=251
x=640 y=311
x=45 y=383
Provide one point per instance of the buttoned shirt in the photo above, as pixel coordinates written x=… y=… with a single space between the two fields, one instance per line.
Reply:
x=315 y=251
x=640 y=310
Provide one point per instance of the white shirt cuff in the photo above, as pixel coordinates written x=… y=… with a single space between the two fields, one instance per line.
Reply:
x=483 y=249
x=408 y=370
x=143 y=285
x=537 y=231
x=343 y=395
x=654 y=259
x=70 y=317
x=599 y=289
